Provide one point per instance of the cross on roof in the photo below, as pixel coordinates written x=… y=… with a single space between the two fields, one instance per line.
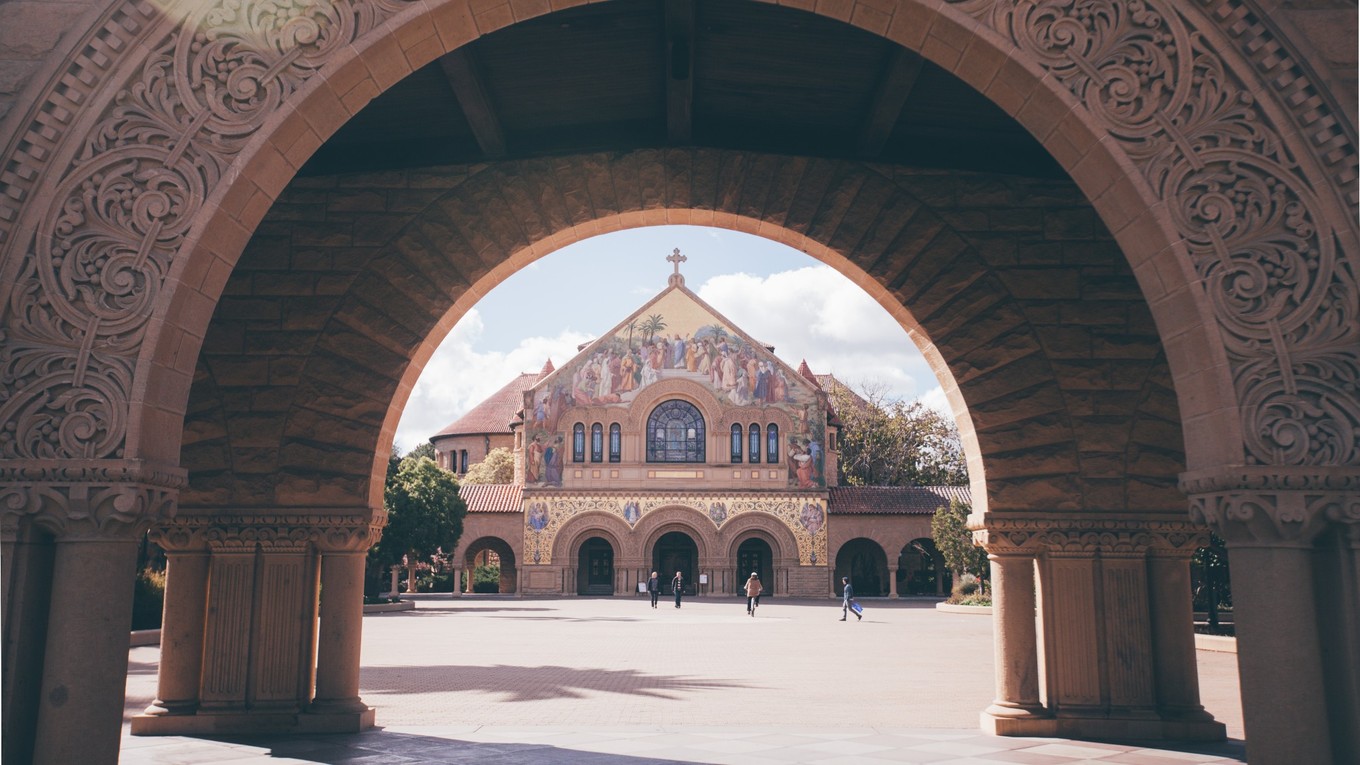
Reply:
x=676 y=258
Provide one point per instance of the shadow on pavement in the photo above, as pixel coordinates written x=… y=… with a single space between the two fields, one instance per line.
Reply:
x=533 y=683
x=379 y=746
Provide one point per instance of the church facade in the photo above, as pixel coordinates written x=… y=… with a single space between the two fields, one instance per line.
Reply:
x=678 y=443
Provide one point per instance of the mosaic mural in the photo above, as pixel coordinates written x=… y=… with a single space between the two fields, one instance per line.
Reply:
x=805 y=518
x=674 y=337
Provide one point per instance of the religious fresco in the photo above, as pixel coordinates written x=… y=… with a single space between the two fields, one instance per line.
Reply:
x=675 y=337
x=805 y=517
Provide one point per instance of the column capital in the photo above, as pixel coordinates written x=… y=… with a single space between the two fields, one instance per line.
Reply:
x=1275 y=505
x=329 y=530
x=88 y=499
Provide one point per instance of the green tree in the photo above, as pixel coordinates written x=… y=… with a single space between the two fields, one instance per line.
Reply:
x=654 y=324
x=498 y=467
x=949 y=530
x=425 y=449
x=424 y=514
x=885 y=442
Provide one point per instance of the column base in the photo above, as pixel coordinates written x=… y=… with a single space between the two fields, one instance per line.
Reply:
x=1006 y=722
x=236 y=723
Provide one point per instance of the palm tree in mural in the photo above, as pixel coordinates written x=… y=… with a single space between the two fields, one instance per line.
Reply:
x=632 y=325
x=653 y=325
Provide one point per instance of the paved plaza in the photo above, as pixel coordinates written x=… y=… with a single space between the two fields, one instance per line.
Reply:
x=518 y=682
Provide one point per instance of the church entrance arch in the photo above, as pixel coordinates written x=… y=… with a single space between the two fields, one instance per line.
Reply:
x=755 y=556
x=864 y=561
x=676 y=551
x=595 y=568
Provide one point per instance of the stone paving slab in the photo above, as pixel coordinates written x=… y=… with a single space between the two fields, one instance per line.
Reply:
x=611 y=680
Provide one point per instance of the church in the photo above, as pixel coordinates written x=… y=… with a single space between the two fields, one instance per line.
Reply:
x=676 y=442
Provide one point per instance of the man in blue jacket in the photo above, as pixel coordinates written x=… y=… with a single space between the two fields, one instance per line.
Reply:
x=848 y=595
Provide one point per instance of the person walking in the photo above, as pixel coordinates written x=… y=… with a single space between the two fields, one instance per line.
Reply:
x=848 y=598
x=752 y=594
x=654 y=588
x=678 y=584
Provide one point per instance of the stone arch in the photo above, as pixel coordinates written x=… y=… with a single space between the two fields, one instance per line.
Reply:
x=662 y=521
x=579 y=528
x=1253 y=357
x=508 y=561
x=745 y=526
x=864 y=560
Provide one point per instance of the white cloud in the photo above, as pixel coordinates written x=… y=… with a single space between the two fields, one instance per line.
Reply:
x=935 y=399
x=814 y=313
x=461 y=375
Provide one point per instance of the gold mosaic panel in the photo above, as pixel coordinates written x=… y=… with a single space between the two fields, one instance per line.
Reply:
x=805 y=518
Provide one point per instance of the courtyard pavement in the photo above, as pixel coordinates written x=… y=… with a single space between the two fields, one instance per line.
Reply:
x=509 y=681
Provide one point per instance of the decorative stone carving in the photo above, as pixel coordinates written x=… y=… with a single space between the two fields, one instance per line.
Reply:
x=114 y=499
x=102 y=235
x=1080 y=536
x=1277 y=505
x=273 y=533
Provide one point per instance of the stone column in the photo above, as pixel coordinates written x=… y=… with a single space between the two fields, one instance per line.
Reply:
x=186 y=592
x=457 y=581
x=892 y=580
x=1173 y=636
x=339 y=634
x=1016 y=645
x=1296 y=656
x=85 y=663
x=27 y=559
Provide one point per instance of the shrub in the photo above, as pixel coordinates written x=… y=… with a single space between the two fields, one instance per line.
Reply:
x=486 y=579
x=970 y=591
x=148 y=599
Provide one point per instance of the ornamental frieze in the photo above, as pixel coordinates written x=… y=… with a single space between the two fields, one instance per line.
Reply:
x=1073 y=535
x=804 y=516
x=326 y=533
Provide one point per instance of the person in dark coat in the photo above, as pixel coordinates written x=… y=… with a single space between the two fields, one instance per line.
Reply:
x=654 y=588
x=678 y=584
x=847 y=597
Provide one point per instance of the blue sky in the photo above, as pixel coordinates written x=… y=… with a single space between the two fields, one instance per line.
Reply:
x=778 y=295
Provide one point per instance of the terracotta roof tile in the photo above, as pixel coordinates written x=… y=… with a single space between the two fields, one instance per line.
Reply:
x=491 y=497
x=893 y=500
x=495 y=414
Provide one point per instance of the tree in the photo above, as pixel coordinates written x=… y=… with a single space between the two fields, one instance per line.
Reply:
x=886 y=442
x=498 y=467
x=654 y=324
x=425 y=449
x=424 y=514
x=949 y=530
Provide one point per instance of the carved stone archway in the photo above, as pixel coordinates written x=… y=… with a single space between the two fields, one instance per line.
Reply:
x=139 y=168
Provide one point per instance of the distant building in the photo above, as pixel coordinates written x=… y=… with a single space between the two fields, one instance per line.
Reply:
x=676 y=442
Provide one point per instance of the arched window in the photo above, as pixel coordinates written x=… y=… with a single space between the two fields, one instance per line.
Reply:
x=615 y=443
x=596 y=443
x=737 y=435
x=578 y=443
x=463 y=454
x=772 y=443
x=675 y=433
x=753 y=447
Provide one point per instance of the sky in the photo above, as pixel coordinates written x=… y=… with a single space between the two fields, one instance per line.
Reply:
x=776 y=294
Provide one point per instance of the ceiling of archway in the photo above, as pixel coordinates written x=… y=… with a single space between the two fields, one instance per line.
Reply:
x=714 y=73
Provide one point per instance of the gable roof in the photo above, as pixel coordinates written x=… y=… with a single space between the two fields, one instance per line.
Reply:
x=893 y=500
x=491 y=497
x=495 y=414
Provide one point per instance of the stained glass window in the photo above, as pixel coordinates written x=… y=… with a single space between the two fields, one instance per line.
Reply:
x=615 y=443
x=754 y=455
x=737 y=436
x=675 y=433
x=772 y=443
x=578 y=443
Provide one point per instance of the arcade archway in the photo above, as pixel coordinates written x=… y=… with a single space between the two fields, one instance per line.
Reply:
x=130 y=275
x=864 y=561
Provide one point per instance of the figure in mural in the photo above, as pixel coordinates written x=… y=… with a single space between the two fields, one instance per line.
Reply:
x=538 y=516
x=805 y=466
x=631 y=513
x=812 y=518
x=552 y=463
x=718 y=512
x=533 y=465
x=627 y=372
